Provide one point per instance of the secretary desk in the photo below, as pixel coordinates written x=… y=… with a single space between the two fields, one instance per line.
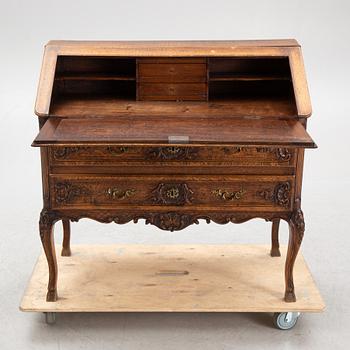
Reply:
x=172 y=132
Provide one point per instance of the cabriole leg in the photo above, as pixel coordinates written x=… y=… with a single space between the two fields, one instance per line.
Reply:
x=275 y=246
x=66 y=238
x=46 y=225
x=296 y=233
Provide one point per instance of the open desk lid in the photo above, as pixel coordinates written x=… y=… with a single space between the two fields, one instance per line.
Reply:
x=155 y=130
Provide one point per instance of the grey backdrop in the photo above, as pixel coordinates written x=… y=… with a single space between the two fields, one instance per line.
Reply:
x=322 y=27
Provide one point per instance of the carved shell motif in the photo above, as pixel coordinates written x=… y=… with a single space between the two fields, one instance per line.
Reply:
x=171 y=221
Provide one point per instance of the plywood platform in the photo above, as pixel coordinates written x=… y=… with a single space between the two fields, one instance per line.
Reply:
x=180 y=278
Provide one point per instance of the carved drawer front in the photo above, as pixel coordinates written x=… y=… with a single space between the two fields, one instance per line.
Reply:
x=242 y=192
x=143 y=157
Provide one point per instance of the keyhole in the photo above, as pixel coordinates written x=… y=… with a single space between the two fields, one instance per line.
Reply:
x=173 y=193
x=173 y=150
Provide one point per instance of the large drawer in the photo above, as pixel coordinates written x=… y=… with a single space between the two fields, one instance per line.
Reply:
x=240 y=156
x=241 y=192
x=172 y=160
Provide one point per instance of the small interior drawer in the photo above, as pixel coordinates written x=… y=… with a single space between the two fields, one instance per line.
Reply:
x=172 y=72
x=173 y=91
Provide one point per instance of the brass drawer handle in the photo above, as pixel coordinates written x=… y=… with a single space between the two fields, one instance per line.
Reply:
x=229 y=196
x=116 y=193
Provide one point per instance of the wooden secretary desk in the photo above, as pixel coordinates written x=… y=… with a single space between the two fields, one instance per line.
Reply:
x=172 y=132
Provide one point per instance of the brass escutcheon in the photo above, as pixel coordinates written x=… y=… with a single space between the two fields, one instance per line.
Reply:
x=173 y=149
x=116 y=151
x=173 y=193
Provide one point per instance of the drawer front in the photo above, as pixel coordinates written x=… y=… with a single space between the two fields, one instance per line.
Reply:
x=273 y=193
x=172 y=72
x=172 y=155
x=172 y=92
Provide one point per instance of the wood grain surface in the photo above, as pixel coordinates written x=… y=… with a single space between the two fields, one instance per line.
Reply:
x=155 y=130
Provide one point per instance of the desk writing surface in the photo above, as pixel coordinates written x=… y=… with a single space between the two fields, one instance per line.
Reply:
x=158 y=130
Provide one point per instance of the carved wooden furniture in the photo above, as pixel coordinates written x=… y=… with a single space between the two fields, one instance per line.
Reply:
x=172 y=132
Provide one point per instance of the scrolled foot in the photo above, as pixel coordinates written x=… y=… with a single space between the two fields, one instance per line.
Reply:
x=289 y=297
x=51 y=295
x=275 y=252
x=66 y=252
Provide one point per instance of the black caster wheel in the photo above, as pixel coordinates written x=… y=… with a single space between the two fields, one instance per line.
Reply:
x=285 y=320
x=50 y=317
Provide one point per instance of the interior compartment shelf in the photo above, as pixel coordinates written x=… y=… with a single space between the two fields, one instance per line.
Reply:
x=111 y=86
x=95 y=76
x=245 y=77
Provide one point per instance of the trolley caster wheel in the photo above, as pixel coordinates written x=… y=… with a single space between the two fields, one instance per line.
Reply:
x=50 y=317
x=285 y=320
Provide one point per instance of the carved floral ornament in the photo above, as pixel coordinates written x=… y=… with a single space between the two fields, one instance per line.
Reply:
x=168 y=221
x=172 y=153
x=298 y=221
x=62 y=153
x=281 y=194
x=281 y=154
x=184 y=153
x=66 y=192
